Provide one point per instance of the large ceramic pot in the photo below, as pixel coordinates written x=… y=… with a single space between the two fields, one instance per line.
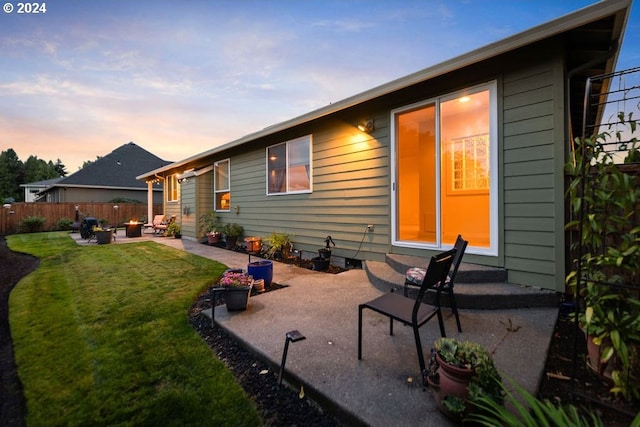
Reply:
x=261 y=270
x=237 y=299
x=104 y=237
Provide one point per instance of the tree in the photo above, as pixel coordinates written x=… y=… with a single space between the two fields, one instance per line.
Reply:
x=11 y=175
x=89 y=162
x=60 y=168
x=36 y=169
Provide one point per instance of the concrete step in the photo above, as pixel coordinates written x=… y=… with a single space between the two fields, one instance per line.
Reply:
x=475 y=292
x=467 y=273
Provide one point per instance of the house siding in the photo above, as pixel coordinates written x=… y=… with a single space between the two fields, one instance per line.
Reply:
x=350 y=191
x=532 y=131
x=187 y=218
x=204 y=200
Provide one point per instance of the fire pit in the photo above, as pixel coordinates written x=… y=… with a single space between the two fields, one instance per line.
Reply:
x=133 y=229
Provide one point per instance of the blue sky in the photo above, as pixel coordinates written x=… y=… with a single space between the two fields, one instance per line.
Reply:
x=180 y=77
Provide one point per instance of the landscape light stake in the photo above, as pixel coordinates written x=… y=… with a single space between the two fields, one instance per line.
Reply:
x=292 y=336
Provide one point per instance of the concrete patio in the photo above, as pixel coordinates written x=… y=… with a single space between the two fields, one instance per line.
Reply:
x=384 y=388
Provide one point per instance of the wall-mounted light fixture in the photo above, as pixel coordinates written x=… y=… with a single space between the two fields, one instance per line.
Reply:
x=366 y=126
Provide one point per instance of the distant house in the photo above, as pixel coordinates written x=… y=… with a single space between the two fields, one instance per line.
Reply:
x=475 y=145
x=110 y=177
x=31 y=189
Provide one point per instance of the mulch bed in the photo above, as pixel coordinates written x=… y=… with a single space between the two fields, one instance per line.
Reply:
x=588 y=390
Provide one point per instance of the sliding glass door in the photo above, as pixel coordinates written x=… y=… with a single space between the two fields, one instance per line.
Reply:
x=444 y=171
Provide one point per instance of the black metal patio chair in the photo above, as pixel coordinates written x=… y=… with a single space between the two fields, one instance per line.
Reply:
x=415 y=275
x=413 y=312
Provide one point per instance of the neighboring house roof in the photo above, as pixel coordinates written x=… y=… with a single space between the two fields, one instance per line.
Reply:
x=41 y=184
x=117 y=169
x=593 y=39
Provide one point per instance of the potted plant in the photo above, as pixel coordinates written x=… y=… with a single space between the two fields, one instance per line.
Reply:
x=279 y=245
x=173 y=229
x=231 y=232
x=236 y=286
x=210 y=223
x=460 y=373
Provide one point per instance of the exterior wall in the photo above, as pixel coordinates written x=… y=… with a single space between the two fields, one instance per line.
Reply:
x=30 y=193
x=172 y=208
x=188 y=220
x=533 y=141
x=350 y=190
x=351 y=173
x=204 y=200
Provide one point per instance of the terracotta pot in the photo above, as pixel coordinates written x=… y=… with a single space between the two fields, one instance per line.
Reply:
x=594 y=362
x=258 y=285
x=454 y=381
x=433 y=382
x=213 y=238
x=253 y=244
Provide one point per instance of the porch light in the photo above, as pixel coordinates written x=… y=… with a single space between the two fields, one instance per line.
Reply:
x=366 y=126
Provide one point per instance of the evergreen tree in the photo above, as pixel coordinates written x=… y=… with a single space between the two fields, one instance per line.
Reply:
x=11 y=176
x=60 y=168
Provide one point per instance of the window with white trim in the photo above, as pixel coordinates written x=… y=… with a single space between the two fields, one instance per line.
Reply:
x=221 y=185
x=289 y=167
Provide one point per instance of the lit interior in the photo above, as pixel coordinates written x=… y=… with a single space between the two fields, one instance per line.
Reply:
x=451 y=195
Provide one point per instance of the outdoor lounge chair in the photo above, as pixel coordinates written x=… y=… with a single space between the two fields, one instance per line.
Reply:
x=415 y=275
x=157 y=224
x=162 y=227
x=413 y=312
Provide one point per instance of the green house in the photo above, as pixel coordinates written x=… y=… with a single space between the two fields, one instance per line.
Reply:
x=475 y=146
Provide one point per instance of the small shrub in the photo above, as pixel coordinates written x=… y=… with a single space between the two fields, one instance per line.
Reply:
x=64 y=224
x=31 y=224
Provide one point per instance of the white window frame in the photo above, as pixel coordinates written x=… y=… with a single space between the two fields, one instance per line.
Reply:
x=309 y=140
x=493 y=174
x=225 y=190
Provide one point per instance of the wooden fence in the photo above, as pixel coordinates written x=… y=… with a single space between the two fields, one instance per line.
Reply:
x=11 y=215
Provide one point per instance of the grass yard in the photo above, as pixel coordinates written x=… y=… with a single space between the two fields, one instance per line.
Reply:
x=101 y=337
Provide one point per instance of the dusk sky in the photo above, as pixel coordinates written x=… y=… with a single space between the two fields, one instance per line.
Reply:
x=180 y=77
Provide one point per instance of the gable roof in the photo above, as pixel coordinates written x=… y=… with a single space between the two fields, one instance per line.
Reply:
x=117 y=169
x=594 y=36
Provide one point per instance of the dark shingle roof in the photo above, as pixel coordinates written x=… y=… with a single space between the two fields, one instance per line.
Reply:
x=117 y=169
x=45 y=183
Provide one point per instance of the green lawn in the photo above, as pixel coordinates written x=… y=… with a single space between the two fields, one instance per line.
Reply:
x=101 y=337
